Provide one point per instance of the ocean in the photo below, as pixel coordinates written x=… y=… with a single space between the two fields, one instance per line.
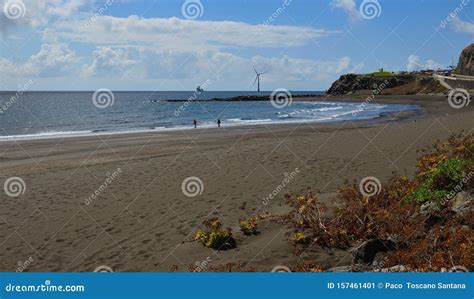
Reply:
x=32 y=115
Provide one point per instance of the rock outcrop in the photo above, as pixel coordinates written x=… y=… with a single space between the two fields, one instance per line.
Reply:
x=466 y=62
x=421 y=82
x=352 y=82
x=407 y=84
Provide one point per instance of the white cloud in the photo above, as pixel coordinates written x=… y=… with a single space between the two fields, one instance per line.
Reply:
x=64 y=8
x=174 y=33
x=414 y=63
x=225 y=68
x=164 y=49
x=463 y=26
x=52 y=60
x=108 y=61
x=349 y=7
x=39 y=13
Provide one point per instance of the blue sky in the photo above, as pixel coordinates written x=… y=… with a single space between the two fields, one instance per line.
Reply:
x=166 y=45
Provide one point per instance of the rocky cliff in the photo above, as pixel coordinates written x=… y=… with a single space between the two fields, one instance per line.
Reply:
x=395 y=84
x=352 y=83
x=466 y=62
x=421 y=82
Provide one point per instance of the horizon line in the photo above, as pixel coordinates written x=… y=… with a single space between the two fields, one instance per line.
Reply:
x=93 y=90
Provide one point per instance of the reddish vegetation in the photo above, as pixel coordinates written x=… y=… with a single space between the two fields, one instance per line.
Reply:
x=427 y=220
x=426 y=240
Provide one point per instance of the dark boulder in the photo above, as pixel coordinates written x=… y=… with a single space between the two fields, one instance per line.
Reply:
x=365 y=252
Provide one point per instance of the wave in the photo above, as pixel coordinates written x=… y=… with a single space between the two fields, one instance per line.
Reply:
x=160 y=119
x=46 y=135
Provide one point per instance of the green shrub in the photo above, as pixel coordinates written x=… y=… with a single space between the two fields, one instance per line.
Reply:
x=437 y=184
x=212 y=235
x=381 y=74
x=249 y=227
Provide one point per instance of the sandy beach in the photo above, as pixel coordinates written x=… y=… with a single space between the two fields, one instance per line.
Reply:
x=142 y=220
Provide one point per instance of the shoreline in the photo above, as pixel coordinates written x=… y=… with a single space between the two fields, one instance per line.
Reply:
x=418 y=100
x=383 y=117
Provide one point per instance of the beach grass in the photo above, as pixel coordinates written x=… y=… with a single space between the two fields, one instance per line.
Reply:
x=381 y=74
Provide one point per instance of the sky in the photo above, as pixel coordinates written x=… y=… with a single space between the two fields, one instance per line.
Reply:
x=177 y=45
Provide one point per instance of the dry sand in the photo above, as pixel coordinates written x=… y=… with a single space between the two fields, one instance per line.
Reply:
x=142 y=219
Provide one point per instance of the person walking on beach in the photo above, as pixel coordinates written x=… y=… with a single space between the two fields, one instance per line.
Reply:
x=218 y=122
x=195 y=123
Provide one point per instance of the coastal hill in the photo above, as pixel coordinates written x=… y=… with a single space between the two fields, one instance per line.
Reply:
x=407 y=83
x=466 y=62
x=387 y=83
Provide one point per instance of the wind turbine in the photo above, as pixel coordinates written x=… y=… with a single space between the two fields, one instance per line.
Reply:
x=257 y=78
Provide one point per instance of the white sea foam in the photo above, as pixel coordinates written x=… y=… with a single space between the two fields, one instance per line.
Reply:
x=156 y=118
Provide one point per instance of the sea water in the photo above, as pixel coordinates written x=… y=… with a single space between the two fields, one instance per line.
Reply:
x=49 y=114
